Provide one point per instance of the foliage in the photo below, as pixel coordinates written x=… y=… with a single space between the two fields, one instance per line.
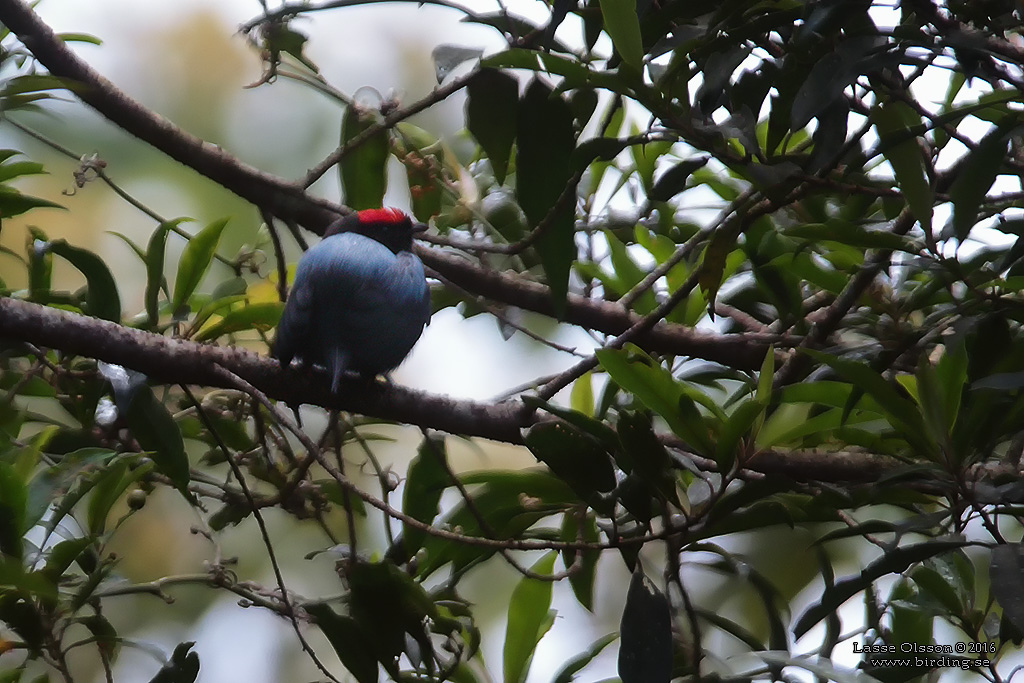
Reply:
x=857 y=284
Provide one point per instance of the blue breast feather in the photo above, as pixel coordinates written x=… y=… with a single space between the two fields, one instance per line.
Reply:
x=354 y=306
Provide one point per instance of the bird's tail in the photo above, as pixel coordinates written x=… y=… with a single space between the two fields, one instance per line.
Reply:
x=337 y=363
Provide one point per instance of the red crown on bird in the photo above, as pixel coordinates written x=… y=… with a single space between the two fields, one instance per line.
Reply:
x=385 y=215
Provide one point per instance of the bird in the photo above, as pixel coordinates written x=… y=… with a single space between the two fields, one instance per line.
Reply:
x=360 y=299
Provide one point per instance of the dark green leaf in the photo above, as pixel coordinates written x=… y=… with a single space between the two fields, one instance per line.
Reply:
x=13 y=502
x=673 y=181
x=546 y=140
x=894 y=561
x=427 y=478
x=645 y=652
x=157 y=432
x=183 y=667
x=582 y=580
x=348 y=640
x=976 y=175
x=363 y=169
x=527 y=614
x=567 y=674
x=575 y=457
x=893 y=121
x=155 y=271
x=1006 y=572
x=491 y=105
x=195 y=261
x=102 y=299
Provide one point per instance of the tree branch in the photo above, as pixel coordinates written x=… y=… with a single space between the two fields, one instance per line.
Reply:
x=289 y=202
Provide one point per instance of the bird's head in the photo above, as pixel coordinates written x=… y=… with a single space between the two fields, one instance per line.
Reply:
x=391 y=227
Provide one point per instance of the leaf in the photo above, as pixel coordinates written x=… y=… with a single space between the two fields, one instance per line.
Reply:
x=491 y=108
x=976 y=175
x=546 y=140
x=110 y=484
x=262 y=316
x=582 y=580
x=1006 y=573
x=901 y=150
x=13 y=504
x=712 y=267
x=527 y=614
x=363 y=169
x=157 y=432
x=447 y=58
x=622 y=24
x=14 y=203
x=427 y=478
x=659 y=391
x=348 y=640
x=102 y=299
x=900 y=412
x=645 y=633
x=509 y=502
x=575 y=457
x=195 y=261
x=568 y=672
x=155 y=271
x=894 y=561
x=183 y=667
x=673 y=181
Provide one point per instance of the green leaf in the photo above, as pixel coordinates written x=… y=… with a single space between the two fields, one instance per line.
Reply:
x=155 y=270
x=893 y=121
x=102 y=299
x=628 y=273
x=157 y=432
x=575 y=457
x=13 y=503
x=659 y=391
x=1006 y=572
x=645 y=650
x=363 y=169
x=110 y=484
x=527 y=614
x=427 y=478
x=14 y=203
x=491 y=107
x=261 y=316
x=894 y=561
x=546 y=141
x=623 y=26
x=582 y=580
x=195 y=261
x=673 y=181
x=581 y=398
x=901 y=412
x=510 y=503
x=348 y=640
x=736 y=427
x=567 y=674
x=976 y=175
x=712 y=267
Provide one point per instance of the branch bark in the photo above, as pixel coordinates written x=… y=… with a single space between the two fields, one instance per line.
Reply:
x=179 y=361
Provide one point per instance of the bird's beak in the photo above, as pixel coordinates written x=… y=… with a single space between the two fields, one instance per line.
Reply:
x=417 y=228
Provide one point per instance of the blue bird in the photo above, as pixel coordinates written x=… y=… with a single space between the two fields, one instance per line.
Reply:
x=360 y=298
